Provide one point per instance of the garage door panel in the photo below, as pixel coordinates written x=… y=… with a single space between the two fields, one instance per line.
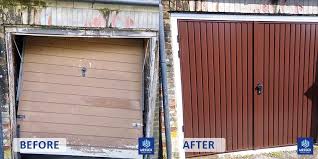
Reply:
x=80 y=100
x=238 y=111
x=95 y=111
x=301 y=78
x=193 y=79
x=43 y=127
x=186 y=93
x=205 y=78
x=218 y=82
x=74 y=71
x=258 y=58
x=80 y=81
x=250 y=87
x=222 y=79
x=88 y=55
x=311 y=80
x=80 y=90
x=210 y=104
x=280 y=56
x=119 y=122
x=245 y=86
x=287 y=116
x=80 y=140
x=266 y=84
x=291 y=135
x=296 y=81
x=88 y=46
x=45 y=107
x=314 y=113
x=270 y=87
x=290 y=91
x=306 y=79
x=215 y=73
x=89 y=64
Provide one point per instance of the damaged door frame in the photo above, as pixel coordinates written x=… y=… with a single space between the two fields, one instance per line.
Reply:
x=150 y=54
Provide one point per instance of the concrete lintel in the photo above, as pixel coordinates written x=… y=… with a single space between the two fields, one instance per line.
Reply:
x=81 y=32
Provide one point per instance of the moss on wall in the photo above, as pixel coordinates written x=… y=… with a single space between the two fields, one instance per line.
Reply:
x=9 y=9
x=106 y=13
x=25 y=3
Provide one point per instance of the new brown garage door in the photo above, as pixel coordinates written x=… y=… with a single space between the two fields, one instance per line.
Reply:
x=85 y=90
x=251 y=83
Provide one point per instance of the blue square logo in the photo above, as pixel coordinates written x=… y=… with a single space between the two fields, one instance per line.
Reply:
x=305 y=146
x=146 y=146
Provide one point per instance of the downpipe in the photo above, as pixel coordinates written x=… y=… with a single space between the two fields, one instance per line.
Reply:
x=164 y=83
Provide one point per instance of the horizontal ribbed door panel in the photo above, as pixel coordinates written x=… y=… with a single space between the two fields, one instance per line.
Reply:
x=94 y=112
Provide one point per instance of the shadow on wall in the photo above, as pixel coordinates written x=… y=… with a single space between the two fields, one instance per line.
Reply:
x=312 y=94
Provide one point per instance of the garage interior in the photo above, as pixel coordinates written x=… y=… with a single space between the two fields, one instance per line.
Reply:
x=87 y=90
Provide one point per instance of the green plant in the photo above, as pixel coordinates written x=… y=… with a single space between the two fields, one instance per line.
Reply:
x=5 y=4
x=9 y=8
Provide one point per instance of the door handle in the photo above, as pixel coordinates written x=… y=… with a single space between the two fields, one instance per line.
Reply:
x=259 y=88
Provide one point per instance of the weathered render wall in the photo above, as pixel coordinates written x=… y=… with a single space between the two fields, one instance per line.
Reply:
x=267 y=7
x=4 y=96
x=83 y=14
x=68 y=15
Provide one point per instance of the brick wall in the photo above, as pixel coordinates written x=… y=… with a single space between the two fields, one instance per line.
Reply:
x=170 y=75
x=8 y=16
x=4 y=98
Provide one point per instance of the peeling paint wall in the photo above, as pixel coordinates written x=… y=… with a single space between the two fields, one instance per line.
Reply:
x=82 y=14
x=81 y=18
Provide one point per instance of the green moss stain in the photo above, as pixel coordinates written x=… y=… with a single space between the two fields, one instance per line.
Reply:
x=7 y=154
x=106 y=13
x=10 y=10
x=23 y=3
x=275 y=154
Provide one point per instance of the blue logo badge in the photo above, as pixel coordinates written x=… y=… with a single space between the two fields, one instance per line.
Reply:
x=305 y=146
x=146 y=146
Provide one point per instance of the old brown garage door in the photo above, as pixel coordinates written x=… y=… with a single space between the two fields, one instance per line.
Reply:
x=251 y=83
x=85 y=90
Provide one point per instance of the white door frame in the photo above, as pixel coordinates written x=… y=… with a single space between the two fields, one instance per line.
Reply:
x=211 y=17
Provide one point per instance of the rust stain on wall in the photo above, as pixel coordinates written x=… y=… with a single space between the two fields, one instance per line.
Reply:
x=98 y=21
